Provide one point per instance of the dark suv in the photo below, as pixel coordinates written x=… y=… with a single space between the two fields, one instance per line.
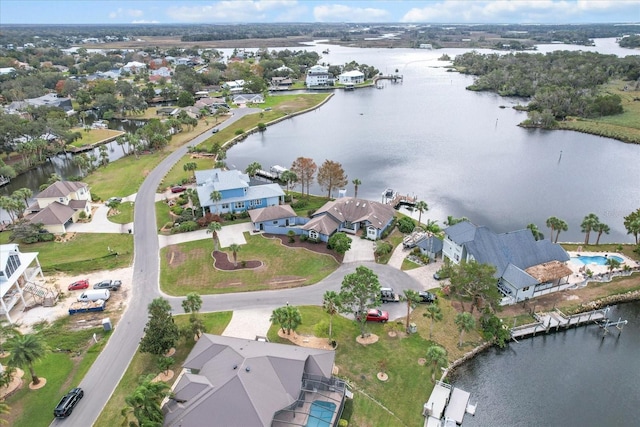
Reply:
x=112 y=285
x=68 y=402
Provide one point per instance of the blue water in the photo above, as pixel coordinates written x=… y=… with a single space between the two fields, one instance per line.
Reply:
x=321 y=414
x=598 y=259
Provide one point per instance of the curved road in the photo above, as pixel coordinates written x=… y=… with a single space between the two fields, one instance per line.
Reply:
x=105 y=374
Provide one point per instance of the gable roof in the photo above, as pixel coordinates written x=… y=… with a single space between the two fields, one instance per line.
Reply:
x=350 y=209
x=55 y=213
x=241 y=382
x=222 y=180
x=461 y=232
x=271 y=213
x=61 y=189
x=431 y=244
x=324 y=224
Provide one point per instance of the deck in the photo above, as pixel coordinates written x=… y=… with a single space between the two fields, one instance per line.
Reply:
x=446 y=406
x=457 y=405
x=554 y=321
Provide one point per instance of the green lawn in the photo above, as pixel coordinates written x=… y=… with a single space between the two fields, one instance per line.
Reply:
x=162 y=214
x=187 y=267
x=124 y=215
x=91 y=136
x=144 y=364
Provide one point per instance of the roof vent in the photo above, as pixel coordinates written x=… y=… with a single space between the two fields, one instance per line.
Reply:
x=248 y=369
x=235 y=367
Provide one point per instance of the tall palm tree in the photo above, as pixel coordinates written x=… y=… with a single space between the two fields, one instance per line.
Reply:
x=289 y=179
x=612 y=264
x=145 y=402
x=7 y=331
x=330 y=304
x=601 y=228
x=421 y=206
x=291 y=318
x=589 y=223
x=253 y=168
x=215 y=197
x=536 y=233
x=25 y=351
x=411 y=297
x=356 y=183
x=552 y=223
x=633 y=227
x=560 y=226
x=437 y=357
x=465 y=323
x=434 y=313
x=191 y=166
x=234 y=249
x=213 y=228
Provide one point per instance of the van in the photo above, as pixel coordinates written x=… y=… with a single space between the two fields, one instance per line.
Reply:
x=94 y=295
x=388 y=295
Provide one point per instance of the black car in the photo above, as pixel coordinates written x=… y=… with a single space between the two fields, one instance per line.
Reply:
x=112 y=285
x=68 y=402
x=427 y=297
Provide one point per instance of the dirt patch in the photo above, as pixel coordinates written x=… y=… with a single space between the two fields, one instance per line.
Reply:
x=306 y=340
x=175 y=258
x=367 y=339
x=320 y=248
x=222 y=262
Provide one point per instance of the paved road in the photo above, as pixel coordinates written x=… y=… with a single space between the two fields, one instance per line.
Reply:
x=110 y=366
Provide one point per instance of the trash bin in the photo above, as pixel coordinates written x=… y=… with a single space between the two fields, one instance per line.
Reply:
x=413 y=328
x=106 y=324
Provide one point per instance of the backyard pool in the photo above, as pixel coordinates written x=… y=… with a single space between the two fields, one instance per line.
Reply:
x=321 y=414
x=595 y=259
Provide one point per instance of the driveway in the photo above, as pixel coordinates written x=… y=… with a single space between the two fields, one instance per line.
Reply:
x=228 y=234
x=99 y=223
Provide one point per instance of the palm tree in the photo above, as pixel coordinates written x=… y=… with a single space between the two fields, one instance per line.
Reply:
x=330 y=303
x=633 y=227
x=278 y=316
x=25 y=351
x=552 y=223
x=411 y=297
x=589 y=223
x=121 y=141
x=435 y=314
x=213 y=228
x=453 y=221
x=465 y=322
x=24 y=193
x=612 y=264
x=235 y=248
x=601 y=228
x=421 y=206
x=292 y=318
x=253 y=168
x=289 y=178
x=536 y=233
x=356 y=183
x=191 y=166
x=215 y=197
x=437 y=357
x=7 y=331
x=145 y=402
x=560 y=226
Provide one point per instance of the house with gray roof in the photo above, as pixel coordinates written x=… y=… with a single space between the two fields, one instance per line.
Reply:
x=235 y=382
x=525 y=267
x=349 y=215
x=59 y=205
x=266 y=219
x=238 y=193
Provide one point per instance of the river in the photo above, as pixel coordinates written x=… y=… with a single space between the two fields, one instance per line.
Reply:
x=460 y=151
x=570 y=378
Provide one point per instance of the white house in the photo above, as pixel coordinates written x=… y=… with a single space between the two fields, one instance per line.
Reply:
x=318 y=76
x=353 y=77
x=234 y=86
x=17 y=269
x=134 y=67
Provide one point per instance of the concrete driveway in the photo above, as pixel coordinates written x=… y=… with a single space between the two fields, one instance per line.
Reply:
x=361 y=250
x=99 y=223
x=227 y=235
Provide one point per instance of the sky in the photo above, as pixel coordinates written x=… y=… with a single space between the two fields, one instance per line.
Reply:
x=352 y=11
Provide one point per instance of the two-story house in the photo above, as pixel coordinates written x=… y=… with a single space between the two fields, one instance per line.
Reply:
x=17 y=269
x=60 y=204
x=318 y=76
x=352 y=77
x=525 y=267
x=237 y=192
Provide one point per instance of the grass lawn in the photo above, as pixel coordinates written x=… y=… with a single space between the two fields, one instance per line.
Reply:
x=91 y=136
x=409 y=384
x=144 y=364
x=188 y=267
x=395 y=238
x=124 y=215
x=62 y=371
x=84 y=252
x=407 y=264
x=162 y=214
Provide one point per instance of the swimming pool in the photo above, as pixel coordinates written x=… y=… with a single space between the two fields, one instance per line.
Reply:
x=596 y=259
x=321 y=414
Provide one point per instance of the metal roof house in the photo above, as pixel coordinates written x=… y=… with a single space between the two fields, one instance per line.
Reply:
x=238 y=194
x=245 y=383
x=525 y=268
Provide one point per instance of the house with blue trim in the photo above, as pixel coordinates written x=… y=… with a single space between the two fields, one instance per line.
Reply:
x=238 y=192
x=525 y=267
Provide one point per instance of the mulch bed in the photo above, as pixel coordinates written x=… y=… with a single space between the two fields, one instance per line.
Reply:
x=320 y=247
x=222 y=262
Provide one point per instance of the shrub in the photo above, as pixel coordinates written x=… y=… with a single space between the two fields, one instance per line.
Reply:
x=406 y=225
x=310 y=212
x=292 y=236
x=177 y=210
x=321 y=329
x=207 y=219
x=229 y=216
x=383 y=248
x=239 y=131
x=304 y=237
x=182 y=201
x=188 y=226
x=82 y=215
x=299 y=204
x=46 y=237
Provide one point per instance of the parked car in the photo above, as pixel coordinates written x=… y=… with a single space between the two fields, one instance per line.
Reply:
x=113 y=199
x=112 y=285
x=178 y=189
x=215 y=130
x=68 y=402
x=80 y=284
x=388 y=295
x=427 y=297
x=375 y=315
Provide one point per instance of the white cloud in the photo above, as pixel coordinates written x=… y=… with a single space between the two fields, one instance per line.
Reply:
x=342 y=13
x=120 y=12
x=232 y=11
x=522 y=11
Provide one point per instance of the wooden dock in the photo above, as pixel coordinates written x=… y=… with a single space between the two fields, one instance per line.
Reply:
x=402 y=200
x=555 y=321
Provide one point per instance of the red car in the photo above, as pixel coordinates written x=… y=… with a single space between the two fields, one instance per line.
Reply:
x=178 y=189
x=375 y=315
x=80 y=284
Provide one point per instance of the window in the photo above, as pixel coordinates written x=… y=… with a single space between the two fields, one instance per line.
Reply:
x=525 y=289
x=61 y=199
x=239 y=205
x=225 y=206
x=256 y=202
x=13 y=262
x=275 y=222
x=313 y=234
